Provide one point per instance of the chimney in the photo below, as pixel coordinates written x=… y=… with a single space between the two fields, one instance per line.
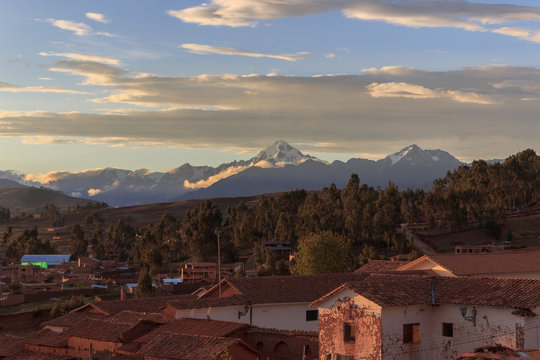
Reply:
x=122 y=294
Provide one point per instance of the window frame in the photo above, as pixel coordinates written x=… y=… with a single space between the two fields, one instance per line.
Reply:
x=349 y=332
x=411 y=333
x=312 y=315
x=448 y=329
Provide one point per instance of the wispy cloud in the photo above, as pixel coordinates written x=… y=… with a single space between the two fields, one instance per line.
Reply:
x=208 y=49
x=97 y=17
x=41 y=89
x=84 y=57
x=79 y=28
x=465 y=15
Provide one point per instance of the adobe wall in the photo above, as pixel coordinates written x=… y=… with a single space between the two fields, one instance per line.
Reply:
x=273 y=346
x=80 y=347
x=367 y=331
x=493 y=326
x=42 y=349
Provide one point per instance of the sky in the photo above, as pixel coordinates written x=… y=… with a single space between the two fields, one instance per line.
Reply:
x=154 y=84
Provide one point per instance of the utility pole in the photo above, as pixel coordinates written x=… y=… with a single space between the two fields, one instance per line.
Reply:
x=218 y=233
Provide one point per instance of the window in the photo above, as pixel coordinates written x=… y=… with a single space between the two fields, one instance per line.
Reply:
x=448 y=329
x=411 y=333
x=348 y=332
x=312 y=315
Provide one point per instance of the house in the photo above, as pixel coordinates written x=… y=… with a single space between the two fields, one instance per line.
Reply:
x=427 y=318
x=510 y=264
x=44 y=261
x=278 y=302
x=193 y=272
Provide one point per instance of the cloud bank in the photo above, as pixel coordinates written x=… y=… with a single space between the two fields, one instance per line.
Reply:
x=464 y=111
x=465 y=15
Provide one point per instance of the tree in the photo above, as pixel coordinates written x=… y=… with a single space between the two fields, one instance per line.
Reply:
x=5 y=215
x=144 y=283
x=77 y=242
x=323 y=252
x=198 y=231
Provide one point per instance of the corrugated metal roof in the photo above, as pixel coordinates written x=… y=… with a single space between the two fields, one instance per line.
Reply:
x=49 y=259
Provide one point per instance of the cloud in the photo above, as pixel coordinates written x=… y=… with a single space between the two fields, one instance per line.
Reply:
x=80 y=29
x=214 y=178
x=97 y=17
x=465 y=15
x=381 y=108
x=40 y=89
x=94 y=192
x=84 y=57
x=524 y=34
x=330 y=55
x=393 y=89
x=207 y=49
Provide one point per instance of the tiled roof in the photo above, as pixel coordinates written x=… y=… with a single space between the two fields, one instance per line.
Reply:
x=133 y=317
x=72 y=319
x=148 y=305
x=206 y=327
x=200 y=303
x=187 y=326
x=99 y=330
x=10 y=345
x=27 y=355
x=187 y=347
x=46 y=337
x=285 y=289
x=280 y=332
x=512 y=293
x=510 y=262
x=375 y=266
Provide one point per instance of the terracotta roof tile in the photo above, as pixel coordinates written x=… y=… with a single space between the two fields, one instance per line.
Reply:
x=510 y=262
x=49 y=338
x=187 y=347
x=99 y=330
x=280 y=332
x=512 y=293
x=27 y=355
x=73 y=318
x=148 y=305
x=10 y=345
x=187 y=326
x=199 y=303
x=292 y=288
x=375 y=266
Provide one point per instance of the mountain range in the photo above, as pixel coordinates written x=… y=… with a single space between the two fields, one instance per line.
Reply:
x=279 y=167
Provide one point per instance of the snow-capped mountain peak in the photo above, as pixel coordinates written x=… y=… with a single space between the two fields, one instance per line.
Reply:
x=281 y=152
x=395 y=157
x=414 y=156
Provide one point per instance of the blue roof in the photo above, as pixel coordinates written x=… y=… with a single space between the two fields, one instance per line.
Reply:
x=49 y=259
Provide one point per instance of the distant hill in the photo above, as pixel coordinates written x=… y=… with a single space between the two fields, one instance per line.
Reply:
x=9 y=184
x=30 y=199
